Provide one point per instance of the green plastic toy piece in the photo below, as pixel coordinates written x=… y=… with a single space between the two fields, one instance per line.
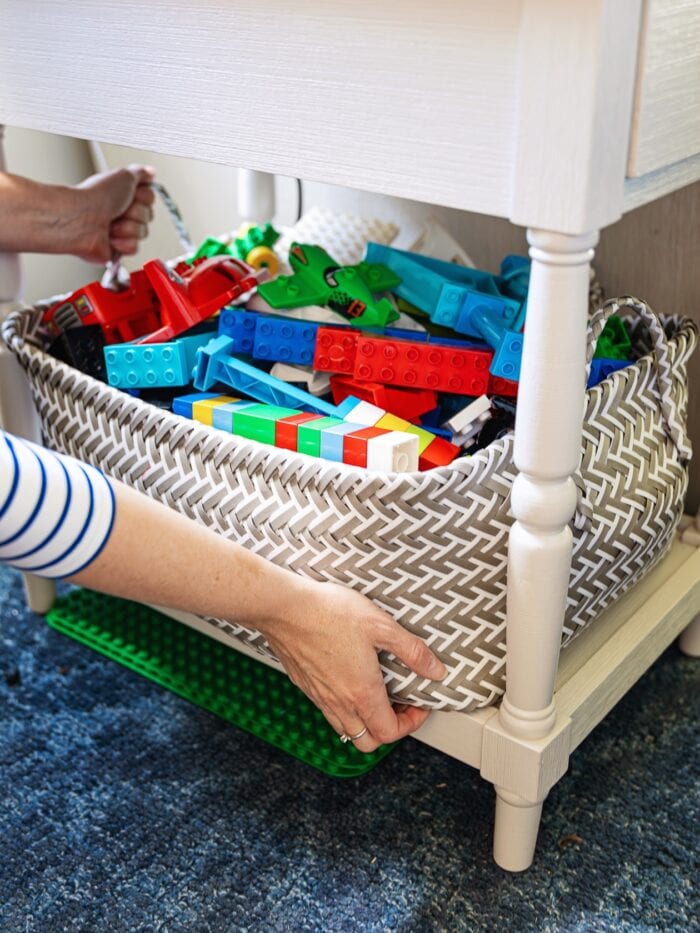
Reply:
x=319 y=280
x=253 y=238
x=212 y=247
x=229 y=684
x=614 y=343
x=309 y=435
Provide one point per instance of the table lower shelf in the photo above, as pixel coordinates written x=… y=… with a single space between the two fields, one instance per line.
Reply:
x=595 y=670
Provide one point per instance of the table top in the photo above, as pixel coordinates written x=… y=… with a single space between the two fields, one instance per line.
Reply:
x=494 y=108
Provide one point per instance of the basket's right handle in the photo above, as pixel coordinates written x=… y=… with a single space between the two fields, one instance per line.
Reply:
x=662 y=361
x=114 y=274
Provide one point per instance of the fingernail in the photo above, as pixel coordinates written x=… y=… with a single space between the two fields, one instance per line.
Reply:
x=438 y=671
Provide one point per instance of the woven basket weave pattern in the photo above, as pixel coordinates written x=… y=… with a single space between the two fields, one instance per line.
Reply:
x=430 y=548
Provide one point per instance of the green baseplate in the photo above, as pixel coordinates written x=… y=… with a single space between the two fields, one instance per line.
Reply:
x=232 y=685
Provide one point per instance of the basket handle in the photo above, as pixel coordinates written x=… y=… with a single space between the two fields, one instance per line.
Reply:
x=662 y=362
x=115 y=276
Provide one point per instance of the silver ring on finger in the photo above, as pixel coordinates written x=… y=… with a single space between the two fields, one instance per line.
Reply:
x=352 y=738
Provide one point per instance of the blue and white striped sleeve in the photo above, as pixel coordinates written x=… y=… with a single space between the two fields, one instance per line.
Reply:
x=56 y=514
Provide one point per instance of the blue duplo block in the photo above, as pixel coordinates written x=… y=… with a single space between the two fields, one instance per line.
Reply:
x=154 y=365
x=239 y=326
x=222 y=415
x=285 y=340
x=332 y=440
x=183 y=404
x=601 y=368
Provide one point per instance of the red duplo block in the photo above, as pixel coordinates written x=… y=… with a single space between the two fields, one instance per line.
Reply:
x=355 y=445
x=123 y=316
x=335 y=350
x=499 y=386
x=404 y=403
x=438 y=453
x=287 y=429
x=419 y=365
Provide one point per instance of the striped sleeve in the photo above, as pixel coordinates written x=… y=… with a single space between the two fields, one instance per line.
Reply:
x=56 y=514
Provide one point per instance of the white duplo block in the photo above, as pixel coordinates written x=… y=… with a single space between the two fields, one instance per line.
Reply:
x=476 y=413
x=395 y=452
x=364 y=413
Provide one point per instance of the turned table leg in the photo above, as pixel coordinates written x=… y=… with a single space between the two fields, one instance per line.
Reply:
x=547 y=452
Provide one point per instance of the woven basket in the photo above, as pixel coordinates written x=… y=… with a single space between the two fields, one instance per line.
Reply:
x=429 y=547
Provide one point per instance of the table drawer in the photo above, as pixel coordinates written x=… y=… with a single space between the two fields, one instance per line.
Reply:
x=666 y=119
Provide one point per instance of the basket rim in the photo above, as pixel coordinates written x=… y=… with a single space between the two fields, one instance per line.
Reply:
x=686 y=329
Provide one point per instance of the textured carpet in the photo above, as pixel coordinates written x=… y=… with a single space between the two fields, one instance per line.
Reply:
x=126 y=808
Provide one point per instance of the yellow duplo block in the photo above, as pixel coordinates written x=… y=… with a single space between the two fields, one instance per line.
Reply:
x=394 y=423
x=204 y=411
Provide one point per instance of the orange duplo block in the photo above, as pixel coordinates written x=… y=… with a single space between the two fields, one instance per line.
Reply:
x=355 y=445
x=439 y=453
x=287 y=429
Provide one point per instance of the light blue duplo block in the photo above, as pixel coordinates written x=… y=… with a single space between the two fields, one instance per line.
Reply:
x=222 y=415
x=332 y=440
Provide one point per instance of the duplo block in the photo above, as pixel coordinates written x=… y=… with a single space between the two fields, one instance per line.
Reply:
x=407 y=403
x=309 y=434
x=332 y=440
x=148 y=366
x=287 y=429
x=355 y=445
x=239 y=326
x=259 y=422
x=335 y=350
x=285 y=341
x=427 y=366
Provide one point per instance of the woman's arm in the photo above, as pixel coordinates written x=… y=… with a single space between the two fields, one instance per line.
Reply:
x=59 y=517
x=325 y=635
x=104 y=214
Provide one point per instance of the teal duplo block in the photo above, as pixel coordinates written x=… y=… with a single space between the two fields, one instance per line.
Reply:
x=154 y=365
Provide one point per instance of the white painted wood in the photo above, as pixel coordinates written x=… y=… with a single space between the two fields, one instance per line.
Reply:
x=655 y=185
x=528 y=768
x=458 y=735
x=575 y=90
x=387 y=97
x=689 y=641
x=596 y=687
x=515 y=834
x=666 y=120
x=547 y=452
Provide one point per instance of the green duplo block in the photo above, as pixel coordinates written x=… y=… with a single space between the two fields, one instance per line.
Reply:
x=614 y=342
x=233 y=686
x=258 y=423
x=309 y=435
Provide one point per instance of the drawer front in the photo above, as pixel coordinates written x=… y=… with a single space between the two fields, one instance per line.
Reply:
x=666 y=120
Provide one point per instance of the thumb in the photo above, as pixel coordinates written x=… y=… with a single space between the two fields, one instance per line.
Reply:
x=413 y=651
x=143 y=174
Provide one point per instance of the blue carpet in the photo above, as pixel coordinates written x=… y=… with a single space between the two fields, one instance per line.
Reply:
x=126 y=808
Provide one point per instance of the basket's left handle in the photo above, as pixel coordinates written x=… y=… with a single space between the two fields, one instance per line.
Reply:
x=115 y=276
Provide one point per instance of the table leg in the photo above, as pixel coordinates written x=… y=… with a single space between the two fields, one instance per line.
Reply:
x=547 y=453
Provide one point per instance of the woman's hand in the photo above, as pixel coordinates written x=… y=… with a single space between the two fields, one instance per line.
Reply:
x=117 y=208
x=328 y=646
